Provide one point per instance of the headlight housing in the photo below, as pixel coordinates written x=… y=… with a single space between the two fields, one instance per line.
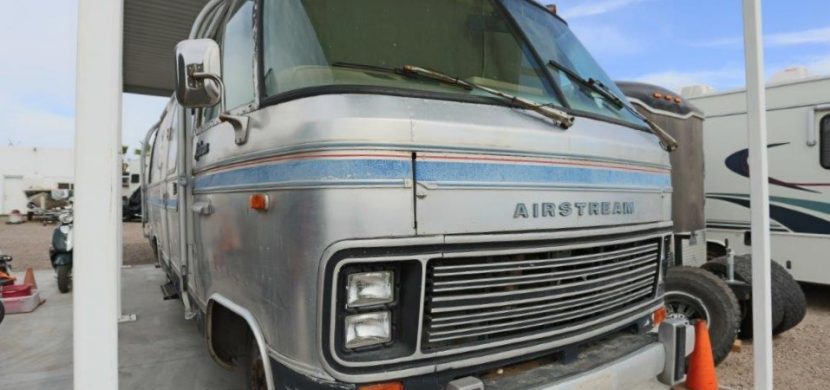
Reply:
x=370 y=288
x=375 y=307
x=368 y=329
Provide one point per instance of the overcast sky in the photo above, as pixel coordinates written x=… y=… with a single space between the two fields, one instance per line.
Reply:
x=672 y=43
x=37 y=78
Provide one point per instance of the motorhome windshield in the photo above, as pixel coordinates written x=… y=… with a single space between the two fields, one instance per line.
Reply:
x=322 y=43
x=555 y=42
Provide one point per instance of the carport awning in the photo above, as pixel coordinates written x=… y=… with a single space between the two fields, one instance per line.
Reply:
x=151 y=30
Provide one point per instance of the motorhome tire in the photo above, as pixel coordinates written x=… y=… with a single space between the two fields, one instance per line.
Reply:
x=743 y=272
x=692 y=294
x=255 y=369
x=64 y=279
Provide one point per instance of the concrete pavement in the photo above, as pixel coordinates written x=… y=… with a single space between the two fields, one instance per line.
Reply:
x=161 y=350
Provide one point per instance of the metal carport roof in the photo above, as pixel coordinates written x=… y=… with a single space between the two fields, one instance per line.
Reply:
x=151 y=30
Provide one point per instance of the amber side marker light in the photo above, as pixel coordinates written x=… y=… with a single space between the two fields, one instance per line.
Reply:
x=659 y=316
x=383 y=386
x=259 y=202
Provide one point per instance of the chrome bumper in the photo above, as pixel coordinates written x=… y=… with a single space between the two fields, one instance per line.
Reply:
x=656 y=365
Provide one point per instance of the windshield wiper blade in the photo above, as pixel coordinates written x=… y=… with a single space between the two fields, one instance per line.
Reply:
x=376 y=68
x=667 y=142
x=592 y=84
x=562 y=118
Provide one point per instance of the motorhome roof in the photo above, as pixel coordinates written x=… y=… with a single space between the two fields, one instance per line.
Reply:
x=768 y=87
x=658 y=99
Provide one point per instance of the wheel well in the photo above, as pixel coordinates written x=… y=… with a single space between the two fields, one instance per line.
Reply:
x=228 y=335
x=714 y=249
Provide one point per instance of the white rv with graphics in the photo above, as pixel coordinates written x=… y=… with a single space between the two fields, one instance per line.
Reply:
x=412 y=194
x=798 y=121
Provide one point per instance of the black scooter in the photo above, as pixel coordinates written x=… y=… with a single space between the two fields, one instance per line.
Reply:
x=60 y=253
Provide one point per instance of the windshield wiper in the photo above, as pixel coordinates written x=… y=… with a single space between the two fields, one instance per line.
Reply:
x=592 y=84
x=668 y=142
x=562 y=118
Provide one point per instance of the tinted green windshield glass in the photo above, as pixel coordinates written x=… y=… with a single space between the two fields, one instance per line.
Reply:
x=554 y=41
x=306 y=43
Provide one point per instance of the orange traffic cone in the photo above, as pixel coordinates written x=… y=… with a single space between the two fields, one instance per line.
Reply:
x=702 y=375
x=30 y=278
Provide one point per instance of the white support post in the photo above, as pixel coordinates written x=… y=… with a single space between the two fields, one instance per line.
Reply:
x=97 y=229
x=757 y=127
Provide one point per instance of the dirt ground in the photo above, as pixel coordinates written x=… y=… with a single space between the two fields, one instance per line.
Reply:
x=801 y=358
x=28 y=244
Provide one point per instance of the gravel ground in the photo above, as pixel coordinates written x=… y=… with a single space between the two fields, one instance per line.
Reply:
x=800 y=356
x=28 y=244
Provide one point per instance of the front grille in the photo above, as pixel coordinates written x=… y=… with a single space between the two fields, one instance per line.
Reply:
x=478 y=298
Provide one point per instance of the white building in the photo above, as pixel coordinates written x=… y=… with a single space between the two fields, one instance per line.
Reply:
x=28 y=169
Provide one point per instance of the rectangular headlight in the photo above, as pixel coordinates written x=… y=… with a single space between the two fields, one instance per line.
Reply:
x=368 y=329
x=369 y=288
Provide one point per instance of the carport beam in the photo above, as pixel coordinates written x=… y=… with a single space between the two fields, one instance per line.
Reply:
x=757 y=127
x=97 y=195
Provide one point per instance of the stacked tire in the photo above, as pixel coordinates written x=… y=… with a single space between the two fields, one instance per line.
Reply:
x=789 y=305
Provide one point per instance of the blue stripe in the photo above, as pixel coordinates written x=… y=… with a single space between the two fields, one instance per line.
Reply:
x=169 y=203
x=329 y=172
x=320 y=172
x=460 y=173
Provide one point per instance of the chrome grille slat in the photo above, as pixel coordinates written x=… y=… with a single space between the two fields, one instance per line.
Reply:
x=539 y=299
x=515 y=325
x=540 y=289
x=538 y=278
x=495 y=295
x=441 y=270
x=535 y=310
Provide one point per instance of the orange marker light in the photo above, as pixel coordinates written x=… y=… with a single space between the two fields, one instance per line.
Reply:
x=658 y=95
x=383 y=386
x=659 y=315
x=678 y=100
x=259 y=202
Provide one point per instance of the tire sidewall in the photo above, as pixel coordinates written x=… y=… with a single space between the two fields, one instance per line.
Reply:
x=717 y=299
x=64 y=278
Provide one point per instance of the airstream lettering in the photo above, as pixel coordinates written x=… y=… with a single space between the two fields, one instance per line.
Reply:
x=323 y=194
x=564 y=209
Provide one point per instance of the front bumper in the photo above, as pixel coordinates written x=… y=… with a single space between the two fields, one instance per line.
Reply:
x=637 y=370
x=621 y=362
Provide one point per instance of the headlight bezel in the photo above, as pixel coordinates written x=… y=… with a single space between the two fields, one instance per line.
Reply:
x=404 y=309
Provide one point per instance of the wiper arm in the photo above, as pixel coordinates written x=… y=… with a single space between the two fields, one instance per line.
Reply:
x=592 y=84
x=562 y=118
x=668 y=142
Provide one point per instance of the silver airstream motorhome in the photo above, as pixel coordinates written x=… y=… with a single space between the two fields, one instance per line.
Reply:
x=409 y=195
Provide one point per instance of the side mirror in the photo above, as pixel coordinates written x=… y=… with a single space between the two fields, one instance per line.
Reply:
x=198 y=73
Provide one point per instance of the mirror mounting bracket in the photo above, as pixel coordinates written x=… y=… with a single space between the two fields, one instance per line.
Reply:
x=240 y=126
x=239 y=122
